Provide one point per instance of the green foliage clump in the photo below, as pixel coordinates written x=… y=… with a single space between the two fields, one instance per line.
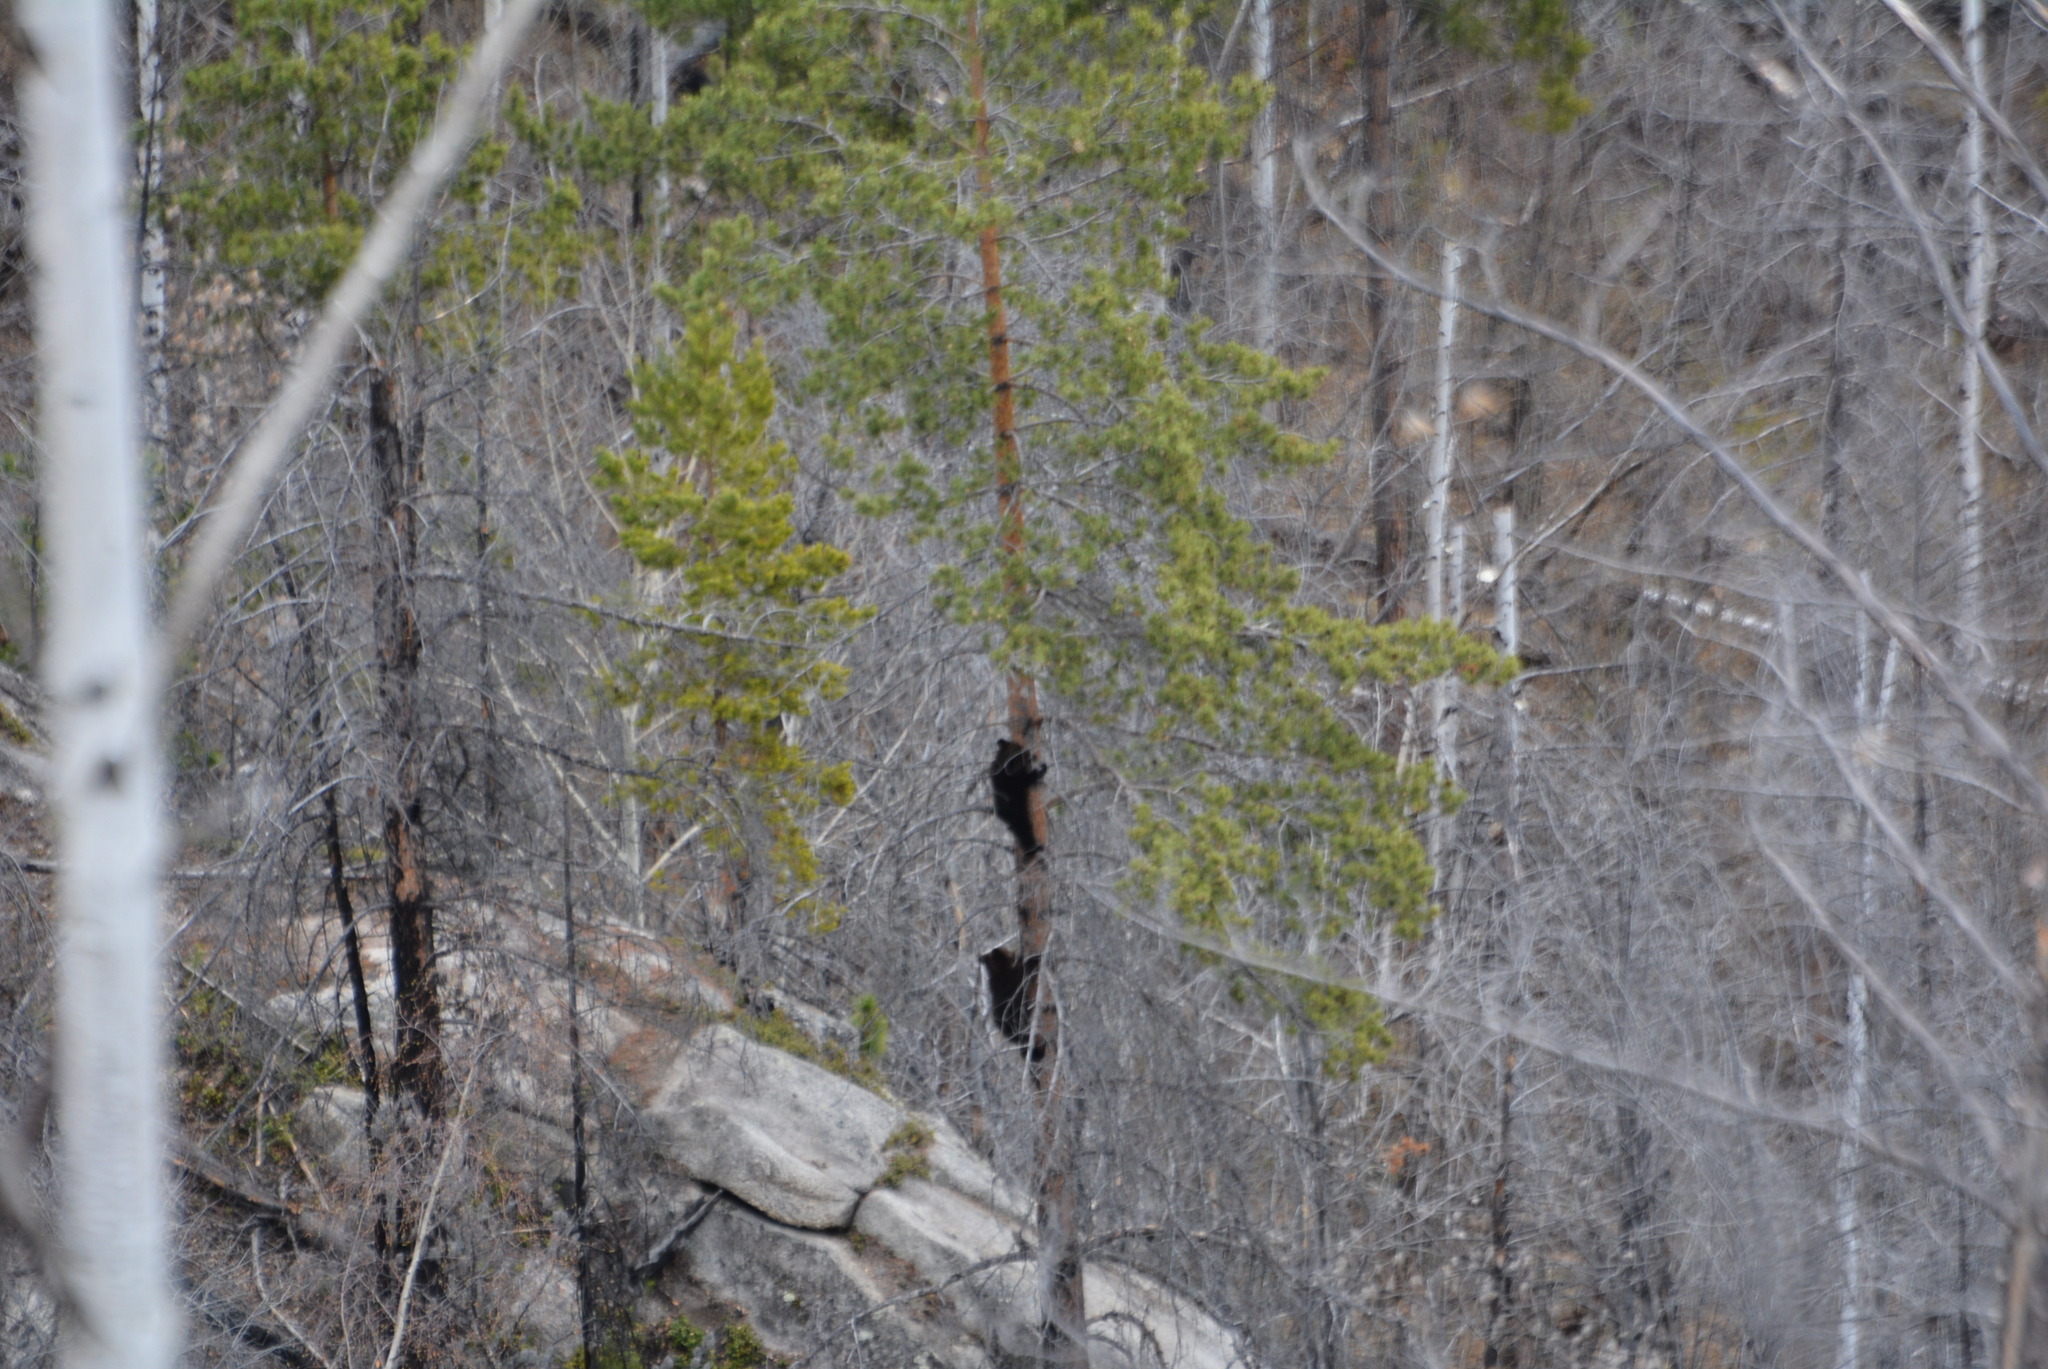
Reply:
x=741 y=625
x=774 y=1028
x=13 y=728
x=1535 y=31
x=306 y=123
x=303 y=125
x=330 y=1064
x=909 y=1151
x=215 y=1072
x=873 y=1025
x=739 y=1347
x=605 y=1357
x=682 y=1337
x=221 y=1079
x=1354 y=1033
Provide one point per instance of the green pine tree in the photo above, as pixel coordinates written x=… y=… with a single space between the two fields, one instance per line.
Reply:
x=841 y=148
x=740 y=649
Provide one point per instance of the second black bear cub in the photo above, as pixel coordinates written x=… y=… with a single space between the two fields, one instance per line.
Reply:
x=1012 y=980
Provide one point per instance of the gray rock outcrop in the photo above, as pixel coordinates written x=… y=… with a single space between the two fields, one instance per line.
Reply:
x=793 y=1141
x=818 y=1239
x=845 y=1228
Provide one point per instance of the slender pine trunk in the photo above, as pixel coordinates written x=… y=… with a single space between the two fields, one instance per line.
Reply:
x=1017 y=780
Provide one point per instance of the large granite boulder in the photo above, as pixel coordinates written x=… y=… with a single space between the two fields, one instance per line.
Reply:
x=328 y=1122
x=845 y=1229
x=816 y=1295
x=791 y=1140
x=982 y=1261
x=1139 y=1322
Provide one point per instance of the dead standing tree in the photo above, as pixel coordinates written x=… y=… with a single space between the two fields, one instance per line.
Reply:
x=416 y=1065
x=1380 y=22
x=416 y=1059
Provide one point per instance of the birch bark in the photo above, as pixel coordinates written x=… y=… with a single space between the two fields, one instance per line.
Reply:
x=106 y=788
x=1500 y=1344
x=1981 y=252
x=1436 y=509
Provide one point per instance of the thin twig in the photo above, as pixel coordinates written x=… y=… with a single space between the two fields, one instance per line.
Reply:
x=1482 y=1018
x=270 y=1303
x=650 y=1264
x=2022 y=155
x=17 y=1194
x=1893 y=621
x=1937 y=1050
x=419 y=1237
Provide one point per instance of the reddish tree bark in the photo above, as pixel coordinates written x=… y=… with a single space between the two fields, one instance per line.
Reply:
x=1017 y=783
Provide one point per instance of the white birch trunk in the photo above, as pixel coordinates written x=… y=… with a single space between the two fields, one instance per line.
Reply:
x=1454 y=585
x=105 y=790
x=1856 y=1041
x=155 y=253
x=1454 y=609
x=1435 y=519
x=1436 y=511
x=1856 y=1025
x=1506 y=618
x=1265 y=197
x=1508 y=624
x=1981 y=252
x=630 y=840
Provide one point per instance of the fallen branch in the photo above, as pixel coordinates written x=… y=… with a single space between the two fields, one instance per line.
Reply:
x=315 y=1227
x=658 y=1255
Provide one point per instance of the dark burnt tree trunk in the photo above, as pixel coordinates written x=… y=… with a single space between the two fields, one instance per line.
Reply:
x=1380 y=21
x=416 y=1067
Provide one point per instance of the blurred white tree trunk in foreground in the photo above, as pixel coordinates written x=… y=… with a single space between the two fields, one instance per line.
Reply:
x=105 y=780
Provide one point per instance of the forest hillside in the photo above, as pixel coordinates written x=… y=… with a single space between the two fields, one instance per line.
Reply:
x=964 y=682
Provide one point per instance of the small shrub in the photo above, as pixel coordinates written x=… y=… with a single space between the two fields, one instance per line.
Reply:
x=873 y=1025
x=607 y=1357
x=741 y=1349
x=908 y=1150
x=683 y=1337
x=774 y=1028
